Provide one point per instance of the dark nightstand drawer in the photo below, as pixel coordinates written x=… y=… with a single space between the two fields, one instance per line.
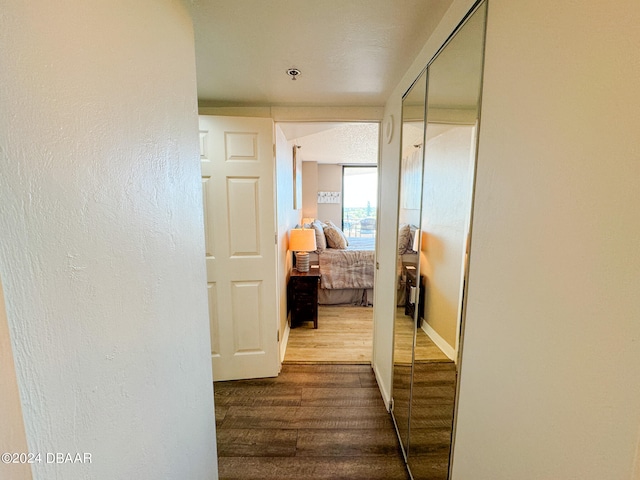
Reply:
x=302 y=296
x=411 y=284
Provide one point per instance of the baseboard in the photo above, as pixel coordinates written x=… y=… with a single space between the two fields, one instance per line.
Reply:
x=442 y=344
x=385 y=395
x=284 y=340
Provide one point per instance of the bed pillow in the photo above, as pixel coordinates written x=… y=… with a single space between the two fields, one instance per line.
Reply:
x=321 y=241
x=405 y=238
x=335 y=238
x=346 y=241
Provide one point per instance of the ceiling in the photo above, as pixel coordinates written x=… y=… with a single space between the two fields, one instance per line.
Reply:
x=349 y=52
x=343 y=143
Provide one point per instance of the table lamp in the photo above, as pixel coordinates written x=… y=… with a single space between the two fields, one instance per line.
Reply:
x=416 y=240
x=302 y=241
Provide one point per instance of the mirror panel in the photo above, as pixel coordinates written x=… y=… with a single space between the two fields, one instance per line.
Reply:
x=454 y=87
x=409 y=204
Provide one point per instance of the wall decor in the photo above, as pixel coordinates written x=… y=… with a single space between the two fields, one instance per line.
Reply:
x=329 y=197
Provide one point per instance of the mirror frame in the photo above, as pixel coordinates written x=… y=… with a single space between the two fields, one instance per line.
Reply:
x=401 y=412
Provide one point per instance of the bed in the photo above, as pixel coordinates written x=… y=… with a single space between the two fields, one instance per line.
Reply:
x=347 y=266
x=347 y=274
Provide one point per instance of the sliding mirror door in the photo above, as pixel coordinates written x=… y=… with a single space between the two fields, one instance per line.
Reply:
x=453 y=107
x=410 y=200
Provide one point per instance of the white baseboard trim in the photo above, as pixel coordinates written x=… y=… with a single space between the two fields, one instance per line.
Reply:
x=284 y=340
x=385 y=395
x=442 y=344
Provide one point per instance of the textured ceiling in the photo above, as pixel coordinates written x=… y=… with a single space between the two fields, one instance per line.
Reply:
x=350 y=52
x=344 y=143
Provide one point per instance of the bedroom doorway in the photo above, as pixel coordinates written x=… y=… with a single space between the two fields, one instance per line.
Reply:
x=338 y=185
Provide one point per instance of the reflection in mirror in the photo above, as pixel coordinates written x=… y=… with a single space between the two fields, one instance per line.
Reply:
x=454 y=84
x=409 y=202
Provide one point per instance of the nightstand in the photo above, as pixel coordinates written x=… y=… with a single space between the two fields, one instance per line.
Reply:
x=302 y=295
x=411 y=283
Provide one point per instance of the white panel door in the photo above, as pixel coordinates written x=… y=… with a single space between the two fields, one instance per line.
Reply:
x=238 y=171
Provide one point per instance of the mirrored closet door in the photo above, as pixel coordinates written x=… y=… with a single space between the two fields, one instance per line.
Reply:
x=410 y=203
x=435 y=290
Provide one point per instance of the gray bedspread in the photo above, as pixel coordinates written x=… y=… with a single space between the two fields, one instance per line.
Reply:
x=346 y=268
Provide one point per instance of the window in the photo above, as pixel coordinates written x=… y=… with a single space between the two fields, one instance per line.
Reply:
x=359 y=201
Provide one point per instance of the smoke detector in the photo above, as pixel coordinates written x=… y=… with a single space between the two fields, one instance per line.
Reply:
x=293 y=73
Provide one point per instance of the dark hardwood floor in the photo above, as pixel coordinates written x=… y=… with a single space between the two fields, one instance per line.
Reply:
x=310 y=422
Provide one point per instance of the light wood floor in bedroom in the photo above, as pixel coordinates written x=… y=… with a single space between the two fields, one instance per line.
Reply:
x=345 y=335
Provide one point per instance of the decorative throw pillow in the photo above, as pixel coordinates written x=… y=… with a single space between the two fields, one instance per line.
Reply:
x=335 y=238
x=404 y=238
x=329 y=222
x=321 y=241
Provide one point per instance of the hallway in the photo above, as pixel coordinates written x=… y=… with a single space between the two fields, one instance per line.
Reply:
x=312 y=422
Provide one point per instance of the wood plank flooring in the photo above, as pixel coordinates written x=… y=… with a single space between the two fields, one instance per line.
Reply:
x=323 y=416
x=344 y=335
x=432 y=419
x=311 y=422
x=426 y=350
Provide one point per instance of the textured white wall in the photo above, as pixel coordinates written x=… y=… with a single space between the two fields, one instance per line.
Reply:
x=287 y=219
x=101 y=246
x=551 y=361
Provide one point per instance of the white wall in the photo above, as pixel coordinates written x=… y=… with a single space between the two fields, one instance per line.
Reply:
x=310 y=189
x=330 y=180
x=448 y=174
x=551 y=362
x=384 y=291
x=102 y=242
x=287 y=219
